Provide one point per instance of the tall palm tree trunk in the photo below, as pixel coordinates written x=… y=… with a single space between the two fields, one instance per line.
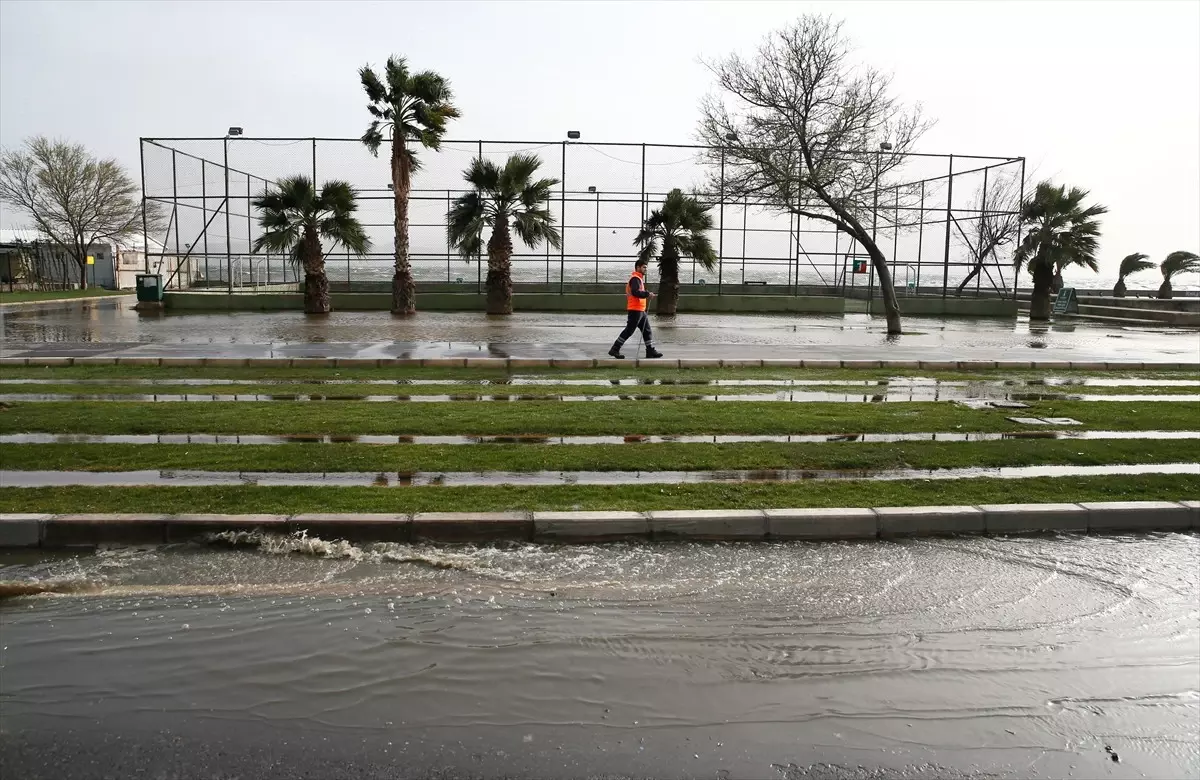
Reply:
x=316 y=282
x=404 y=290
x=1039 y=302
x=668 y=283
x=1119 y=290
x=499 y=275
x=1164 y=289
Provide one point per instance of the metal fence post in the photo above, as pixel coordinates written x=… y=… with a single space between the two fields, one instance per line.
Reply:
x=721 y=229
x=448 y=248
x=228 y=247
x=982 y=215
x=204 y=216
x=949 y=218
x=562 y=249
x=145 y=227
x=920 y=239
x=1020 y=207
x=745 y=215
x=597 y=236
x=175 y=205
x=643 y=186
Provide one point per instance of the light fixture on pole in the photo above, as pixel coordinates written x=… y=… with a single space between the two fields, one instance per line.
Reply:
x=233 y=131
x=573 y=135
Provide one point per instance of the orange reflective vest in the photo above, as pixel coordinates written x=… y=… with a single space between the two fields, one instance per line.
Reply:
x=632 y=302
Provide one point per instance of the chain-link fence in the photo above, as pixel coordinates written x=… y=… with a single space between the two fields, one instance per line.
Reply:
x=932 y=217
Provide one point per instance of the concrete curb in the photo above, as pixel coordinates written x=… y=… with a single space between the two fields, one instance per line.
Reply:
x=116 y=296
x=589 y=363
x=89 y=530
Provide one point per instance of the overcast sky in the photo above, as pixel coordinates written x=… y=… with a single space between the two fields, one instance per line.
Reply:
x=1102 y=95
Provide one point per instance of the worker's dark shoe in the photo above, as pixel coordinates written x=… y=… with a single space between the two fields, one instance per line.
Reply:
x=615 y=351
x=651 y=352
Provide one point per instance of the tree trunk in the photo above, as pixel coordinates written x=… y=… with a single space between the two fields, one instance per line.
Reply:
x=404 y=289
x=1039 y=303
x=83 y=274
x=499 y=275
x=316 y=282
x=974 y=272
x=1119 y=290
x=891 y=307
x=668 y=282
x=1164 y=290
x=1057 y=283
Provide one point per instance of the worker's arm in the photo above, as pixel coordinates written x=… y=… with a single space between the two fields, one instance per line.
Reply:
x=637 y=290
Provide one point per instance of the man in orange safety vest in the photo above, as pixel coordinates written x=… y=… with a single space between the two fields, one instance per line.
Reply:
x=636 y=298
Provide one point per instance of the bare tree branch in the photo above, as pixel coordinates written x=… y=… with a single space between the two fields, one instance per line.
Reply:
x=799 y=129
x=73 y=198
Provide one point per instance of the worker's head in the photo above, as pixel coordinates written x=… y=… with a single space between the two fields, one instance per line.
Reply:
x=640 y=265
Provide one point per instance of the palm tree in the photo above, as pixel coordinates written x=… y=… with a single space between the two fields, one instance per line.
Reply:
x=295 y=220
x=502 y=196
x=1177 y=263
x=680 y=225
x=415 y=107
x=1062 y=232
x=1132 y=264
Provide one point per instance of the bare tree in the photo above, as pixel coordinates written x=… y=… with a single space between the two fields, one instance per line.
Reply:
x=994 y=225
x=802 y=130
x=74 y=198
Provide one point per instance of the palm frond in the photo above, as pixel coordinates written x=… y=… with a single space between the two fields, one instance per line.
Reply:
x=465 y=223
x=1180 y=263
x=1132 y=264
x=483 y=175
x=648 y=251
x=538 y=192
x=698 y=247
x=537 y=225
x=373 y=138
x=518 y=172
x=430 y=88
x=376 y=91
x=396 y=75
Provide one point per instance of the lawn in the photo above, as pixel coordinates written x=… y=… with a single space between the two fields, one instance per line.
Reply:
x=591 y=457
x=757 y=495
x=509 y=418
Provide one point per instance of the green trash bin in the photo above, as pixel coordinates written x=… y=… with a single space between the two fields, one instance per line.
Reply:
x=149 y=288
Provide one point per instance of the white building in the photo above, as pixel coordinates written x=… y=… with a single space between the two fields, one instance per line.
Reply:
x=27 y=258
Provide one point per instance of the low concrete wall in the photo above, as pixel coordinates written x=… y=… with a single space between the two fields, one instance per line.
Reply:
x=88 y=530
x=939 y=307
x=599 y=302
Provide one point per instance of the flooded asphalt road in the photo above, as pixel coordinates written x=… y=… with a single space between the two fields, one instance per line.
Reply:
x=290 y=657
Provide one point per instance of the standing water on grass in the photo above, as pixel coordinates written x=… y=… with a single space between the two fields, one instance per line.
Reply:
x=271 y=656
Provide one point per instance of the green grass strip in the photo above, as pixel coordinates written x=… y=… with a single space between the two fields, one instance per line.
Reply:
x=613 y=418
x=599 y=457
x=850 y=493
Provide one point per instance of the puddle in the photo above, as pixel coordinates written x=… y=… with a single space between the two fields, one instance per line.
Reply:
x=183 y=478
x=899 y=395
x=862 y=438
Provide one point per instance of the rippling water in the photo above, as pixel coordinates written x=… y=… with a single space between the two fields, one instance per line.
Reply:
x=288 y=655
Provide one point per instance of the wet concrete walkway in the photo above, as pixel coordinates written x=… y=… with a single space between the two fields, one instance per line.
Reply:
x=112 y=328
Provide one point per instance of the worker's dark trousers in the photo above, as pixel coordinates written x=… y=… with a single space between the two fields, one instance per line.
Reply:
x=635 y=320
